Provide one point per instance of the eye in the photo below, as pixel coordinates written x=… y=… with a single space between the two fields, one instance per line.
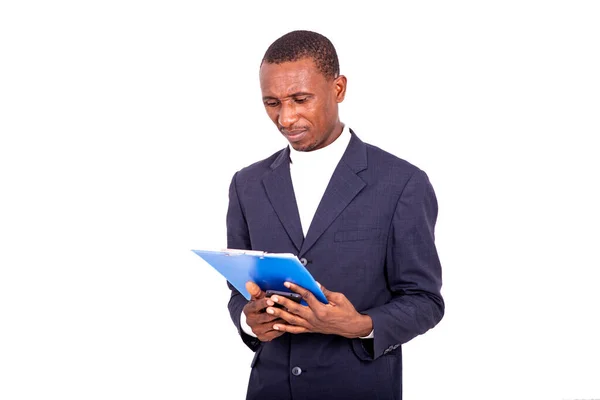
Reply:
x=301 y=100
x=271 y=103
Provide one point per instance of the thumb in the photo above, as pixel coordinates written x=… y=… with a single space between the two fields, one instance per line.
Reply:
x=254 y=290
x=326 y=292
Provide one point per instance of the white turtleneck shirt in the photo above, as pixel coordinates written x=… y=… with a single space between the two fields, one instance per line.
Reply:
x=311 y=172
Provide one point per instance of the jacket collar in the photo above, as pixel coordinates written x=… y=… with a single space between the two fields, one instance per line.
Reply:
x=343 y=187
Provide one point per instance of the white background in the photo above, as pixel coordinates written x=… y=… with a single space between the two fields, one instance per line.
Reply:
x=122 y=123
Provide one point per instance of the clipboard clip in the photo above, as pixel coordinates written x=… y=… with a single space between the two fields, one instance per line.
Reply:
x=236 y=252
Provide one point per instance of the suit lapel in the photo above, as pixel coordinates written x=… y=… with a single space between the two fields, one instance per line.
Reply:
x=278 y=185
x=343 y=187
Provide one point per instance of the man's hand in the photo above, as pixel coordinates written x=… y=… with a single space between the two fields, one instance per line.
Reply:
x=339 y=317
x=260 y=322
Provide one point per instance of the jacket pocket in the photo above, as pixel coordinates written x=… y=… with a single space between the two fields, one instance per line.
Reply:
x=356 y=235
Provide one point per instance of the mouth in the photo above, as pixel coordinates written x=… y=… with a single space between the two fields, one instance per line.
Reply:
x=295 y=134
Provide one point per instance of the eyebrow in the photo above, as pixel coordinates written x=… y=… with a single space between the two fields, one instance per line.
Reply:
x=291 y=95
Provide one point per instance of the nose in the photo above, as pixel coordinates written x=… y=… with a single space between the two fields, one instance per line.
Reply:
x=287 y=115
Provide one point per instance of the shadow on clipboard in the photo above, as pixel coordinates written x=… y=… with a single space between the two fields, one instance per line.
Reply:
x=268 y=270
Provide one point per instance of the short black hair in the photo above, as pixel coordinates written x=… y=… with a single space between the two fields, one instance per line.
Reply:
x=296 y=45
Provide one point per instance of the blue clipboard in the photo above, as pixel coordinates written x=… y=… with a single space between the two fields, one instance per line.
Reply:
x=268 y=270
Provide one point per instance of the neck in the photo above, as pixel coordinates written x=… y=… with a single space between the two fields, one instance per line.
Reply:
x=335 y=133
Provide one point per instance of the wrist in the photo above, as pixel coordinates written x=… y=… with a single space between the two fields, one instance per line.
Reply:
x=363 y=325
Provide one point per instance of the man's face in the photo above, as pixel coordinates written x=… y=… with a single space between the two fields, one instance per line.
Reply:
x=302 y=102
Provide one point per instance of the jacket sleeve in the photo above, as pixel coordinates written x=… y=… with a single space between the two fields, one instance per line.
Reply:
x=413 y=272
x=238 y=237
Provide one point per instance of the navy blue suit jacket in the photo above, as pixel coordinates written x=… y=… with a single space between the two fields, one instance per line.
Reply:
x=372 y=239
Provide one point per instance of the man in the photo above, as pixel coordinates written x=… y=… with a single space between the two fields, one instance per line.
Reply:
x=362 y=222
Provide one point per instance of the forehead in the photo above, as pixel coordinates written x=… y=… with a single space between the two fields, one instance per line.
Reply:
x=281 y=80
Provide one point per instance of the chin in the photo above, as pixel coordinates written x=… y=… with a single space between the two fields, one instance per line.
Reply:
x=303 y=146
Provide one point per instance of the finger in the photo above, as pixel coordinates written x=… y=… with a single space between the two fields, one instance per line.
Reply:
x=290 y=328
x=264 y=318
x=256 y=306
x=288 y=317
x=292 y=307
x=264 y=327
x=307 y=296
x=254 y=290
x=329 y=295
x=268 y=333
x=325 y=291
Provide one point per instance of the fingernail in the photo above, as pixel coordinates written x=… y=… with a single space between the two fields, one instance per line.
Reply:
x=287 y=284
x=276 y=327
x=269 y=302
x=275 y=298
x=270 y=310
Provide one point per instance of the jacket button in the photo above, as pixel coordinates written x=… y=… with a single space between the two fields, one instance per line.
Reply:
x=296 y=371
x=303 y=261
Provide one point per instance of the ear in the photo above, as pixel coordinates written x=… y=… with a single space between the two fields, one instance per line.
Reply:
x=339 y=85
